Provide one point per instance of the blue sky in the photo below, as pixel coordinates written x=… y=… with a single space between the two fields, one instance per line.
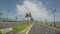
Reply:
x=8 y=5
x=16 y=6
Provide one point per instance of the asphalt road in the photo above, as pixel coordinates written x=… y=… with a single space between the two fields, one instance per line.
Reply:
x=37 y=28
x=9 y=24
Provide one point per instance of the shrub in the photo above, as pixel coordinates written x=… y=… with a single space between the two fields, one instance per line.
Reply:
x=0 y=32
x=50 y=24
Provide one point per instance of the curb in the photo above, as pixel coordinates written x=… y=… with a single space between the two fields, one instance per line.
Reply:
x=26 y=30
x=29 y=29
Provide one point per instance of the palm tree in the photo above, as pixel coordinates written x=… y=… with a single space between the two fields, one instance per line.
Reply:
x=29 y=16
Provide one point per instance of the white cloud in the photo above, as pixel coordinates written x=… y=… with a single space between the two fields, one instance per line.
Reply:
x=11 y=17
x=36 y=7
x=47 y=2
x=21 y=9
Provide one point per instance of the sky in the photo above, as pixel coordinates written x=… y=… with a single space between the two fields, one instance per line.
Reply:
x=40 y=9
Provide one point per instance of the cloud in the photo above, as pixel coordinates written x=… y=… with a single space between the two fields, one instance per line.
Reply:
x=21 y=9
x=11 y=17
x=47 y=3
x=37 y=9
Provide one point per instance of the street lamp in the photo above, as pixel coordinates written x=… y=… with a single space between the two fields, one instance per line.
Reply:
x=54 y=10
x=7 y=14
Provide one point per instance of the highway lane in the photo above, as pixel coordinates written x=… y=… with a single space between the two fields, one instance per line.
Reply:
x=9 y=24
x=41 y=29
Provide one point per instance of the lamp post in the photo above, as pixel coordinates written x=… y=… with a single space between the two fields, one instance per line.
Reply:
x=54 y=10
x=7 y=14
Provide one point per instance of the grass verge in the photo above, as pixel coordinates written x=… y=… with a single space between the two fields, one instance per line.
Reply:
x=20 y=28
x=0 y=32
x=56 y=27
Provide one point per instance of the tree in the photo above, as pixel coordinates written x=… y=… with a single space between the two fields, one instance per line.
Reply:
x=29 y=15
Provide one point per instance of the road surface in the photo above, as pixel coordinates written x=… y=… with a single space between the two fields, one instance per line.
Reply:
x=41 y=29
x=9 y=24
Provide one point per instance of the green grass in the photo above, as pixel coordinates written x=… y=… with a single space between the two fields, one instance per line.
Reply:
x=21 y=27
x=0 y=32
x=56 y=27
